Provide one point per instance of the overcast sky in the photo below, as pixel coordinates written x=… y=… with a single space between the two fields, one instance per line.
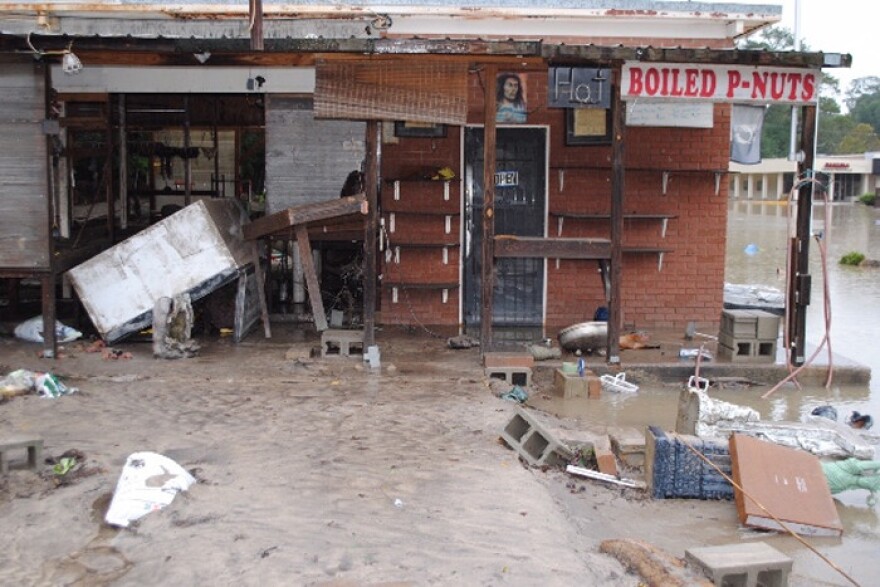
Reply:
x=837 y=26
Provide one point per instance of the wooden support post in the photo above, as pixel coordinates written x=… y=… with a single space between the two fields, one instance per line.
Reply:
x=617 y=193
x=800 y=284
x=305 y=255
x=256 y=24
x=488 y=252
x=50 y=342
x=261 y=290
x=371 y=229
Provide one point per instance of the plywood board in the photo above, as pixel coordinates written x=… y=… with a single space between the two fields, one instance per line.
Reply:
x=788 y=482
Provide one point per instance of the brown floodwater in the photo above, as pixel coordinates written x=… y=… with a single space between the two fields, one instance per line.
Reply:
x=756 y=254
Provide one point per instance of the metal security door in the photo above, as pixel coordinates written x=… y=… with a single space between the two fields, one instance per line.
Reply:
x=520 y=198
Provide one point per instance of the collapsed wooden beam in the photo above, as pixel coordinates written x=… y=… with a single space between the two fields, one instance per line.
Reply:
x=303 y=215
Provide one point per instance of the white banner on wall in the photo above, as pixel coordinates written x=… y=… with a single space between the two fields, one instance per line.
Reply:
x=669 y=113
x=719 y=83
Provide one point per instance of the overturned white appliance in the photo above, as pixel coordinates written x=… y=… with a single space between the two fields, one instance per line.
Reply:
x=195 y=250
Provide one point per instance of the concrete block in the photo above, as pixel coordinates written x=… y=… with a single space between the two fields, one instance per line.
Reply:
x=34 y=448
x=342 y=343
x=756 y=324
x=533 y=440
x=629 y=448
x=568 y=386
x=746 y=564
x=594 y=387
x=521 y=376
x=747 y=350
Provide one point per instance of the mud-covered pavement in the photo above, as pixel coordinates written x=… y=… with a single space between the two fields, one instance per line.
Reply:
x=313 y=472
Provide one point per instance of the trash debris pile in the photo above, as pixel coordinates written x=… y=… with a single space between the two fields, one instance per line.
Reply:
x=22 y=382
x=31 y=330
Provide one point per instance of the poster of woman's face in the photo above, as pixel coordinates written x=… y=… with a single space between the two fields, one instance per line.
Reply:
x=510 y=95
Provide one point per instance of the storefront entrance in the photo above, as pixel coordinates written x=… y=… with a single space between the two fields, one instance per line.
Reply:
x=520 y=202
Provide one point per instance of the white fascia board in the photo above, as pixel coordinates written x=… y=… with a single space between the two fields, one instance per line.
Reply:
x=552 y=28
x=198 y=79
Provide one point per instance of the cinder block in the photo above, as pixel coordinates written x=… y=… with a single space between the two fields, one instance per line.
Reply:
x=34 y=448
x=756 y=324
x=739 y=323
x=342 y=343
x=747 y=350
x=745 y=564
x=521 y=376
x=533 y=441
x=594 y=387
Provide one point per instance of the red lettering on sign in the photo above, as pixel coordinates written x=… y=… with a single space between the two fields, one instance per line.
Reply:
x=691 y=76
x=796 y=80
x=652 y=82
x=635 y=81
x=809 y=87
x=734 y=80
x=777 y=85
x=759 y=85
x=710 y=82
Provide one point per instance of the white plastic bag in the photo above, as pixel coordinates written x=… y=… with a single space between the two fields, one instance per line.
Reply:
x=148 y=483
x=31 y=330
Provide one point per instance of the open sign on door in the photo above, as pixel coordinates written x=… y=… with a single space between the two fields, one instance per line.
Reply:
x=506 y=179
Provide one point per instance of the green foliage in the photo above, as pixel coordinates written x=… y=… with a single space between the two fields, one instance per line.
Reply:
x=861 y=139
x=868 y=199
x=853 y=258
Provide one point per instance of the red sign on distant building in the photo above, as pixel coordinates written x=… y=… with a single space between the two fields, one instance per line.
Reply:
x=719 y=83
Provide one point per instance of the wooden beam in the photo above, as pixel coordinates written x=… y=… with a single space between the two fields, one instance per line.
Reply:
x=618 y=173
x=371 y=229
x=305 y=255
x=261 y=290
x=487 y=289
x=556 y=54
x=553 y=248
x=305 y=214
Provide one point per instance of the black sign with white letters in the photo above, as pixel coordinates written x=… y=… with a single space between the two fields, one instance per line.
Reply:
x=578 y=87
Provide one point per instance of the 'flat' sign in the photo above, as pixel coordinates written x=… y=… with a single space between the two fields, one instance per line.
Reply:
x=719 y=83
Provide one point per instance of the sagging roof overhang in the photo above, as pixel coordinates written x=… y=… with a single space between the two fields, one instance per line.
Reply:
x=523 y=19
x=227 y=52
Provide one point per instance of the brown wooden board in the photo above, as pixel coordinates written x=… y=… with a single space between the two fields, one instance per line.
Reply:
x=305 y=214
x=788 y=482
x=554 y=248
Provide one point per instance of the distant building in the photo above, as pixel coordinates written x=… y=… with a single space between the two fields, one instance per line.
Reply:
x=847 y=177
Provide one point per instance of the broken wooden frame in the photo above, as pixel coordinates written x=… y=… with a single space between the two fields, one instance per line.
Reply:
x=322 y=217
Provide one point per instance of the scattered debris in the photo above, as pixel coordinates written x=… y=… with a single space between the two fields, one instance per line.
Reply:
x=172 y=327
x=654 y=565
x=544 y=352
x=701 y=415
x=516 y=394
x=674 y=470
x=18 y=382
x=617 y=383
x=693 y=353
x=853 y=474
x=781 y=488
x=591 y=474
x=861 y=421
x=31 y=330
x=462 y=342
x=149 y=482
x=48 y=385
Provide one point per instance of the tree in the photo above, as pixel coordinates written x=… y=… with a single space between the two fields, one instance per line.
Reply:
x=860 y=139
x=833 y=126
x=863 y=101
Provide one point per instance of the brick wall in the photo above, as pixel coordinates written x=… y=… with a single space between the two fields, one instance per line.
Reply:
x=688 y=286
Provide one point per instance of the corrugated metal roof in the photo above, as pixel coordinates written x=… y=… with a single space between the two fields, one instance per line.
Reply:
x=320 y=18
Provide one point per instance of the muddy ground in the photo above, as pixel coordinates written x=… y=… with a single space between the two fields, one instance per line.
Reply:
x=316 y=472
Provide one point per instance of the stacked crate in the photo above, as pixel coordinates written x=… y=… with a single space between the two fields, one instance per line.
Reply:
x=748 y=336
